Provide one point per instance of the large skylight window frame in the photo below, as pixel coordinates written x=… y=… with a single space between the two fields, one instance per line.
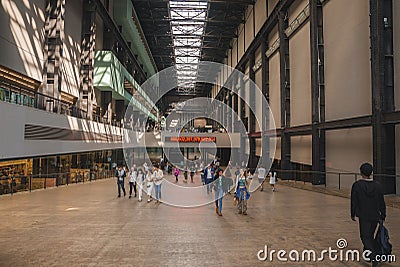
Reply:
x=188 y=19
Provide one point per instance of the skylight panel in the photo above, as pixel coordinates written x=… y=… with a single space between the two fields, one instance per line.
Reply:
x=187 y=25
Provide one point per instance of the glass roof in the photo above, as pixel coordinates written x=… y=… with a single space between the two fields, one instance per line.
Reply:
x=188 y=21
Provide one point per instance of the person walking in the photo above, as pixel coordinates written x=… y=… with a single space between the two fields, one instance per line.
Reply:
x=132 y=180
x=140 y=182
x=169 y=168
x=120 y=174
x=220 y=187
x=145 y=168
x=176 y=174
x=242 y=194
x=185 y=174
x=272 y=179
x=158 y=179
x=261 y=176
x=368 y=204
x=162 y=164
x=208 y=177
x=149 y=185
x=228 y=175
x=191 y=173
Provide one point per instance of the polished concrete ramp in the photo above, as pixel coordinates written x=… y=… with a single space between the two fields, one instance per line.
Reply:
x=87 y=225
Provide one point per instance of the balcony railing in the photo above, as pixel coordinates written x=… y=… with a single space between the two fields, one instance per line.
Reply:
x=19 y=183
x=34 y=99
x=337 y=179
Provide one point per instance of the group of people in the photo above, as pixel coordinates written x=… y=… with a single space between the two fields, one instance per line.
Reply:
x=145 y=178
x=367 y=202
x=223 y=185
x=186 y=172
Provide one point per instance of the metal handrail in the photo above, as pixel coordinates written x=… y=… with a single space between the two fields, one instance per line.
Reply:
x=37 y=100
x=15 y=183
x=339 y=174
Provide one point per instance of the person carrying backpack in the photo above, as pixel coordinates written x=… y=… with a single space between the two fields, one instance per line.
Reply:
x=368 y=204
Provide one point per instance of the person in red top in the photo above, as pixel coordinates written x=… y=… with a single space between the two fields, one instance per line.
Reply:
x=176 y=173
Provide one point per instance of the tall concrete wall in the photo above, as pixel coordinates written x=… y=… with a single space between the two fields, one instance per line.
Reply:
x=72 y=47
x=347 y=59
x=274 y=89
x=260 y=13
x=22 y=40
x=241 y=41
x=348 y=84
x=271 y=5
x=396 y=43
x=258 y=81
x=22 y=36
x=300 y=77
x=249 y=27
x=346 y=150
x=302 y=149
x=398 y=159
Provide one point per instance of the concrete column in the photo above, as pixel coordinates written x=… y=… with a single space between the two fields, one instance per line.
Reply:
x=54 y=39
x=87 y=57
x=105 y=103
x=119 y=109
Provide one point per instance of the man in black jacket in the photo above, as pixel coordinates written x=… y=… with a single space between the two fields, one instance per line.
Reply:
x=120 y=174
x=368 y=204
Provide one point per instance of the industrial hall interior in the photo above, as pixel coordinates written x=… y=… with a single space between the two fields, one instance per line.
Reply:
x=200 y=132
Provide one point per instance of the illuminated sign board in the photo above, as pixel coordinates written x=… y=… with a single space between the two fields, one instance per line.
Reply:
x=191 y=139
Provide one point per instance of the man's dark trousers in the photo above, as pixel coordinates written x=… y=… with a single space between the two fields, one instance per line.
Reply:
x=121 y=184
x=367 y=232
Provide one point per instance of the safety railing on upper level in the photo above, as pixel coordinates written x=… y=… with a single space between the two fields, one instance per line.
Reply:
x=37 y=100
x=19 y=183
x=337 y=179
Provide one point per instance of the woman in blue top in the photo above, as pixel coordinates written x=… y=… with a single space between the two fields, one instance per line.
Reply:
x=221 y=185
x=242 y=194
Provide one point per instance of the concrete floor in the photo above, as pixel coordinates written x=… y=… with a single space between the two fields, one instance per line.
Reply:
x=87 y=225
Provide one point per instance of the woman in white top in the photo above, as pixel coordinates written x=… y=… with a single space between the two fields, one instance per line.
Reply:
x=145 y=168
x=140 y=181
x=149 y=185
x=272 y=179
x=261 y=177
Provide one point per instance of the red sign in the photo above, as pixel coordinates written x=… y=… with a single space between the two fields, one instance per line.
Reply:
x=190 y=139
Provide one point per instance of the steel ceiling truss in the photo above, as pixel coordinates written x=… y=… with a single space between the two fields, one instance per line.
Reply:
x=187 y=23
x=186 y=32
x=152 y=14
